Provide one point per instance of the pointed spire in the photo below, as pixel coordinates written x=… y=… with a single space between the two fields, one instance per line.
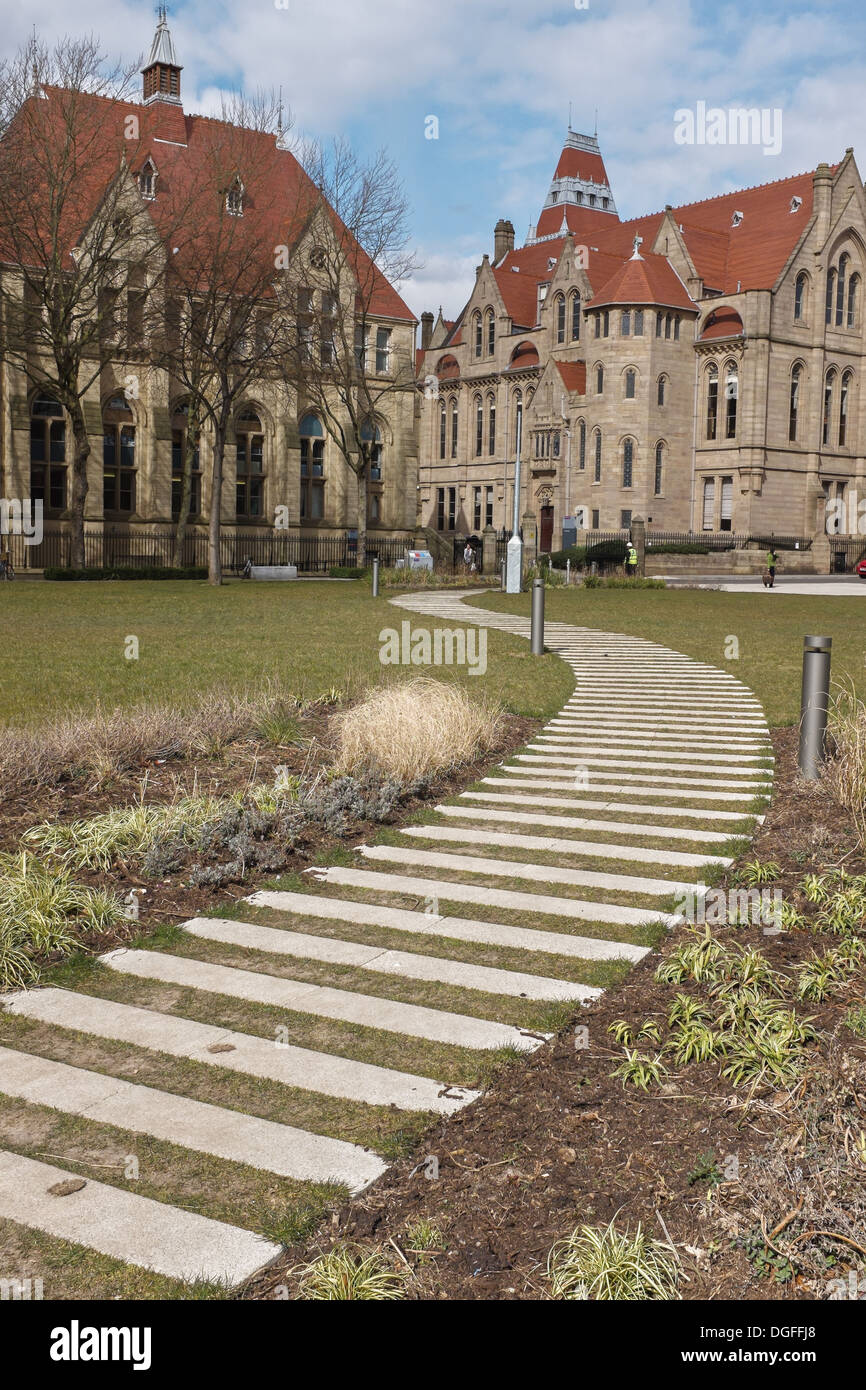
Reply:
x=162 y=71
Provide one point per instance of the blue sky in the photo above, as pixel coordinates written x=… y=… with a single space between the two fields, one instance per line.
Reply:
x=499 y=76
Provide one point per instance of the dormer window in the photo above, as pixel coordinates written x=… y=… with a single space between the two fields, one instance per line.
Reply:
x=736 y=219
x=147 y=180
x=796 y=204
x=235 y=198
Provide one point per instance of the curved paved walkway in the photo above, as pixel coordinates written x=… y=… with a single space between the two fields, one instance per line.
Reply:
x=559 y=866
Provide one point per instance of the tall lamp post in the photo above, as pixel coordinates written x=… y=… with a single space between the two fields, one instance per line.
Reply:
x=514 y=552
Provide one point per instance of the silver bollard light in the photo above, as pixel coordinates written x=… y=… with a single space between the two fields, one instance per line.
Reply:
x=375 y=578
x=503 y=569
x=537 y=622
x=814 y=705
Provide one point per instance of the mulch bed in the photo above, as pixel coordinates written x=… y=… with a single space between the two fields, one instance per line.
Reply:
x=556 y=1142
x=172 y=900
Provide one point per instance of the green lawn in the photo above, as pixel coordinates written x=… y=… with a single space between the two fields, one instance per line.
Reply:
x=769 y=628
x=63 y=645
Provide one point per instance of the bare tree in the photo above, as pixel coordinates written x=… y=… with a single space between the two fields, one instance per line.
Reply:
x=76 y=240
x=354 y=245
x=223 y=287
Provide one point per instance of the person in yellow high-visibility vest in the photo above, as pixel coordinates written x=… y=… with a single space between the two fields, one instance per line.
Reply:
x=630 y=561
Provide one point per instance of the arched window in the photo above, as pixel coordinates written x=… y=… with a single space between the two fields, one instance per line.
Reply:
x=575 y=317
x=48 y=454
x=627 y=462
x=630 y=383
x=732 y=388
x=668 y=322
x=147 y=180
x=491 y=425
x=250 y=440
x=844 y=402
x=312 y=469
x=179 y=436
x=479 y=427
x=479 y=340
x=659 y=323
x=597 y=472
x=118 y=456
x=454 y=426
x=676 y=328
x=840 y=288
x=827 y=415
x=712 y=401
x=853 y=287
x=800 y=288
x=518 y=423
x=443 y=429
x=661 y=390
x=491 y=333
x=831 y=291
x=658 y=484
x=581 y=444
x=560 y=318
x=371 y=436
x=794 y=404
x=599 y=380
x=638 y=323
x=625 y=323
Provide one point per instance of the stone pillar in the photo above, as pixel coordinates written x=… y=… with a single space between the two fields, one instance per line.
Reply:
x=530 y=539
x=638 y=539
x=488 y=551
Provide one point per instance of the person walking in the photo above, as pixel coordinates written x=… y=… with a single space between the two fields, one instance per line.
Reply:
x=469 y=558
x=771 y=567
x=630 y=561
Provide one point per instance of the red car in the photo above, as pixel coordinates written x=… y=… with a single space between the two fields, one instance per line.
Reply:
x=860 y=568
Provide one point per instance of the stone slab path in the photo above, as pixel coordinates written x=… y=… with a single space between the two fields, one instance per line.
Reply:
x=565 y=862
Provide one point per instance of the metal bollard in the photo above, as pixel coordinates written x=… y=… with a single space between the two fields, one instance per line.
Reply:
x=537 y=623
x=375 y=578
x=567 y=573
x=814 y=704
x=503 y=570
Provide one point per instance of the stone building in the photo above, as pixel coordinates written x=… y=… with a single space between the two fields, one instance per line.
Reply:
x=281 y=465
x=700 y=367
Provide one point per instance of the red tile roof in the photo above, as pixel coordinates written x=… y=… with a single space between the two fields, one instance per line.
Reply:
x=573 y=376
x=190 y=153
x=722 y=323
x=648 y=280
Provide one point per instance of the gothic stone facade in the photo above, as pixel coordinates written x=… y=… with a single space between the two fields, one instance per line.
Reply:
x=700 y=367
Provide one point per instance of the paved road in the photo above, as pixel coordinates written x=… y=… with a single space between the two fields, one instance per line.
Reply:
x=825 y=585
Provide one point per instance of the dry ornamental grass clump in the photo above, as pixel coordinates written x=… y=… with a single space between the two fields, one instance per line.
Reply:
x=411 y=731
x=844 y=773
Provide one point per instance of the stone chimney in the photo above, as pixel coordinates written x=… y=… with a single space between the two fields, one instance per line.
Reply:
x=822 y=194
x=426 y=329
x=503 y=240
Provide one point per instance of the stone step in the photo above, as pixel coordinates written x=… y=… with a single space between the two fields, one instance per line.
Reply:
x=565 y=758
x=137 y=1230
x=518 y=868
x=654 y=754
x=523 y=798
x=240 y=1052
x=451 y=928
x=630 y=788
x=193 y=1124
x=401 y=963
x=547 y=844
x=610 y=827
x=369 y=1011
x=531 y=903
x=752 y=785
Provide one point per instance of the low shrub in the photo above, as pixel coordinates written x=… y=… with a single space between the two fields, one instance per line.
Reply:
x=575 y=553
x=43 y=912
x=414 y=730
x=127 y=572
x=615 y=581
x=347 y=572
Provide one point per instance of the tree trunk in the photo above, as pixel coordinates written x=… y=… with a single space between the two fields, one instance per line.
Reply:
x=189 y=448
x=361 y=475
x=215 y=573
x=81 y=454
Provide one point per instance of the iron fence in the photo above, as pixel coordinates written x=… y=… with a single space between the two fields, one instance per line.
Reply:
x=144 y=547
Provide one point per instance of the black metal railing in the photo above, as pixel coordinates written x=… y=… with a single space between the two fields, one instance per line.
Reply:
x=153 y=547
